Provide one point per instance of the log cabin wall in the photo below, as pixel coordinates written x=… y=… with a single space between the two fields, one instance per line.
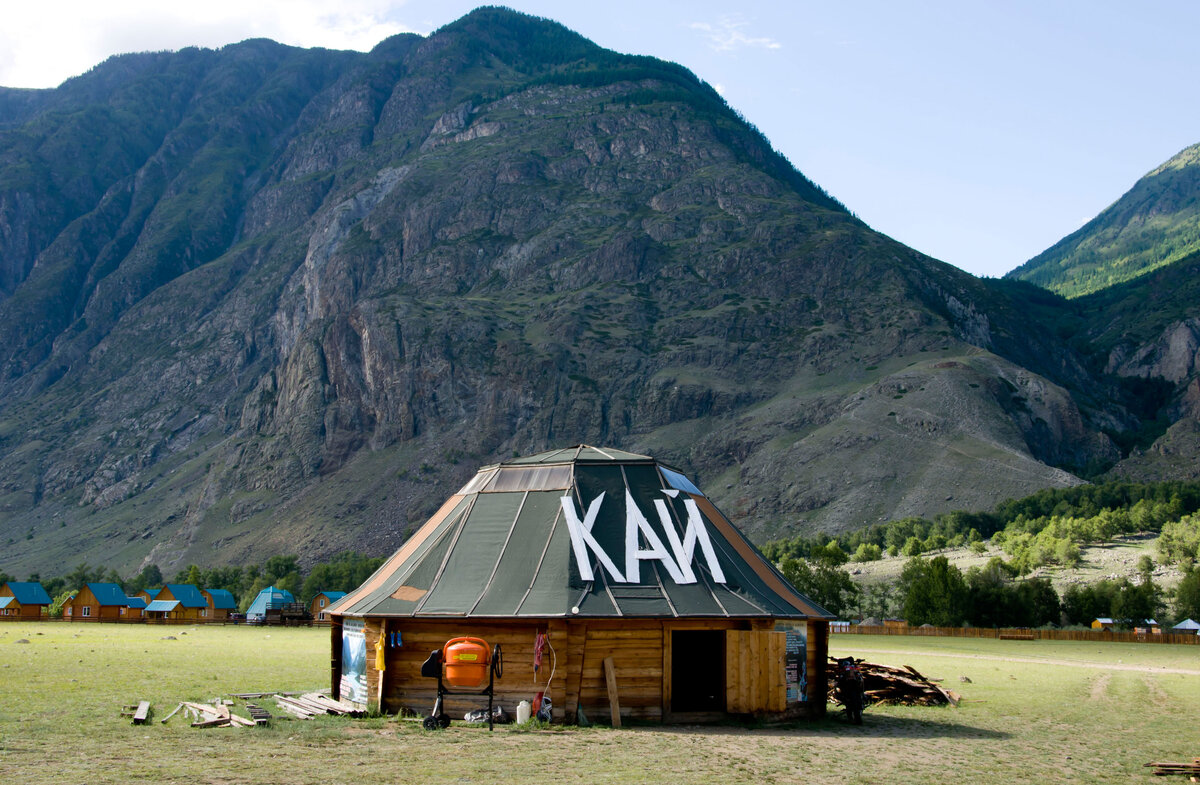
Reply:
x=641 y=651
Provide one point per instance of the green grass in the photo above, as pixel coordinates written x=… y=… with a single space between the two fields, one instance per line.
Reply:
x=1035 y=712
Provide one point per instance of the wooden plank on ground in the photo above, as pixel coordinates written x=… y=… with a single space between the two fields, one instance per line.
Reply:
x=614 y=702
x=142 y=713
x=173 y=713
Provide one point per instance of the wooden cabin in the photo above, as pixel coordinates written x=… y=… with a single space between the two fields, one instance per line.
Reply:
x=649 y=601
x=321 y=603
x=179 y=603
x=135 y=609
x=97 y=602
x=1103 y=623
x=23 y=601
x=220 y=604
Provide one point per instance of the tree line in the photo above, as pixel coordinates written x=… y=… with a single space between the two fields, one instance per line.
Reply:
x=934 y=591
x=1044 y=528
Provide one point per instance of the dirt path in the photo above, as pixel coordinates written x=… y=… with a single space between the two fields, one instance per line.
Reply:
x=1108 y=666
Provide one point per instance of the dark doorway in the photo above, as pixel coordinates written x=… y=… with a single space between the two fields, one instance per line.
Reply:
x=697 y=670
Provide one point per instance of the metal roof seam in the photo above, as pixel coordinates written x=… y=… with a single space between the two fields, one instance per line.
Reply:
x=503 y=548
x=462 y=523
x=541 y=560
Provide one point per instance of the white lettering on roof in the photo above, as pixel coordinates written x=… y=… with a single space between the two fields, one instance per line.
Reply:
x=677 y=561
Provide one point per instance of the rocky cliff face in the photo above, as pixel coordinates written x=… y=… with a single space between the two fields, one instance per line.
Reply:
x=328 y=286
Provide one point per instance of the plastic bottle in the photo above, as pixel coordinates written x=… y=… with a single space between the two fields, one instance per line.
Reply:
x=523 y=711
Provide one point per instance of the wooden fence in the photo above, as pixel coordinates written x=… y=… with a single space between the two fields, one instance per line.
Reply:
x=1020 y=634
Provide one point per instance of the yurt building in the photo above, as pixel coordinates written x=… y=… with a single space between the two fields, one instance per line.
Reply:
x=613 y=586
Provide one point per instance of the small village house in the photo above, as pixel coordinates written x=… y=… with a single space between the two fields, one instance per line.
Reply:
x=135 y=609
x=96 y=602
x=220 y=604
x=321 y=602
x=178 y=602
x=23 y=601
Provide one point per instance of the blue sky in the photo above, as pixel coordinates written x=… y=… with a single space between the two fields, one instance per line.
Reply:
x=977 y=132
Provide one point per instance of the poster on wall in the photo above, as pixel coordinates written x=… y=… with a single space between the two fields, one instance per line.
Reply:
x=796 y=667
x=354 y=662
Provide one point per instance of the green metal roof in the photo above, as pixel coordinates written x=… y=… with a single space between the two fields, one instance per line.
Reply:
x=587 y=532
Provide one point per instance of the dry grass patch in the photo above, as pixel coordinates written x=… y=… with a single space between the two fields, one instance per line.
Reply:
x=1028 y=718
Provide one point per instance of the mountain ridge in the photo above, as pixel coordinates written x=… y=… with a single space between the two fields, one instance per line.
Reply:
x=330 y=291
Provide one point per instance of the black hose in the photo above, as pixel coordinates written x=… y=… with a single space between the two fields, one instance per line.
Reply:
x=497 y=661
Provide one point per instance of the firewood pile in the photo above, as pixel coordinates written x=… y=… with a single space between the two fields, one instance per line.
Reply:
x=1190 y=770
x=884 y=685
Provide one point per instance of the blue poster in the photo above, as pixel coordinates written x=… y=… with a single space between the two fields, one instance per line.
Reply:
x=354 y=662
x=796 y=668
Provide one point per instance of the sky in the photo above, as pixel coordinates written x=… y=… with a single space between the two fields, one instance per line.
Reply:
x=977 y=132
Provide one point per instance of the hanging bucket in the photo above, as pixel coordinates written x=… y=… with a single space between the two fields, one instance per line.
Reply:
x=466 y=661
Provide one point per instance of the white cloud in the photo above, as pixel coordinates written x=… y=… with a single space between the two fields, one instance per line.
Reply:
x=41 y=45
x=729 y=34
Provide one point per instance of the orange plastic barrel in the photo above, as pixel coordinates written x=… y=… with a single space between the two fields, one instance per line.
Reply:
x=466 y=661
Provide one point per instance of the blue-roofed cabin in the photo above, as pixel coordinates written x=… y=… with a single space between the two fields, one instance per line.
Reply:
x=135 y=609
x=220 y=603
x=322 y=601
x=23 y=601
x=97 y=602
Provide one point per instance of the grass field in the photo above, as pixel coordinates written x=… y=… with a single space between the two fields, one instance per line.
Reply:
x=1036 y=712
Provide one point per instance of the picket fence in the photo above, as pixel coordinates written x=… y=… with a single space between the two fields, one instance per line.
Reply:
x=1114 y=636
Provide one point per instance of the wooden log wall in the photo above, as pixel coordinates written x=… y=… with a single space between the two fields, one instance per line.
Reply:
x=640 y=650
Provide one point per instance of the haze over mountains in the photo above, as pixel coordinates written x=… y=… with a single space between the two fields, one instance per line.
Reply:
x=266 y=299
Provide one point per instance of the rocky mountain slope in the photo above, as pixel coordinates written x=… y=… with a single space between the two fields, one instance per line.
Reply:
x=1156 y=223
x=264 y=300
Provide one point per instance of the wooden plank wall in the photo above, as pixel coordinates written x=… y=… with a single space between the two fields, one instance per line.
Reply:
x=640 y=650
x=406 y=690
x=636 y=647
x=755 y=664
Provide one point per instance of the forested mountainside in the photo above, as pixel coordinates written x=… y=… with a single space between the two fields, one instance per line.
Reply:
x=269 y=300
x=1156 y=223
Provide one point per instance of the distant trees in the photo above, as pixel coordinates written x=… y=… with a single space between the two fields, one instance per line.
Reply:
x=823 y=582
x=934 y=592
x=1187 y=596
x=1127 y=603
x=344 y=572
x=1179 y=541
x=1044 y=528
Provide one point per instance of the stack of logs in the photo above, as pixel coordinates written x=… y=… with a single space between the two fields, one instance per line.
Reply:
x=885 y=685
x=1164 y=769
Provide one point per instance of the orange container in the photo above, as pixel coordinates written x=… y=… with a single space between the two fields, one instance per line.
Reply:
x=466 y=661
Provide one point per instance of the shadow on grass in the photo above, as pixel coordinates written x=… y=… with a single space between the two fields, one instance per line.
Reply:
x=831 y=727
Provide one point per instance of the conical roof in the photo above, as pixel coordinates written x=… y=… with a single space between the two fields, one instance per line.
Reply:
x=585 y=532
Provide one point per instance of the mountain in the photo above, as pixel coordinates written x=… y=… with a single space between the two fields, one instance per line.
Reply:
x=1147 y=333
x=1156 y=223
x=265 y=299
